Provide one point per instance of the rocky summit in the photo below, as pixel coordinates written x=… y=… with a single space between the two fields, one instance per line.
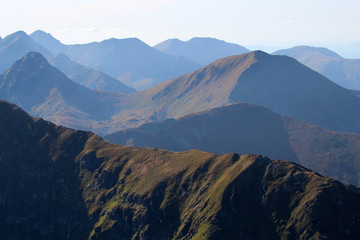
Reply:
x=58 y=183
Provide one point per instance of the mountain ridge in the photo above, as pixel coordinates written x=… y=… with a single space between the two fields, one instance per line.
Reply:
x=338 y=69
x=60 y=183
x=201 y=49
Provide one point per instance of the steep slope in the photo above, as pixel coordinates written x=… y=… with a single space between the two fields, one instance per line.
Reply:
x=345 y=72
x=59 y=183
x=277 y=82
x=88 y=77
x=200 y=50
x=246 y=128
x=15 y=46
x=48 y=41
x=44 y=91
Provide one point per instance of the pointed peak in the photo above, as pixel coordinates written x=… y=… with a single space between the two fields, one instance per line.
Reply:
x=31 y=56
x=32 y=60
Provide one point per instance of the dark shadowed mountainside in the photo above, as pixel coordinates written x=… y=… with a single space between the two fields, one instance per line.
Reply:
x=57 y=183
x=130 y=60
x=246 y=128
x=278 y=82
x=201 y=50
x=87 y=76
x=345 y=72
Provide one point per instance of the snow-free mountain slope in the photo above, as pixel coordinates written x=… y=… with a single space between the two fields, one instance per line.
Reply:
x=247 y=128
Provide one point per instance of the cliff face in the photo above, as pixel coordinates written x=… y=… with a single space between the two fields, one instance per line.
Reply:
x=57 y=183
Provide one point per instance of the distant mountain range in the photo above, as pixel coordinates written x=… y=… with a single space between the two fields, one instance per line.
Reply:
x=18 y=44
x=129 y=60
x=57 y=183
x=87 y=76
x=246 y=128
x=345 y=72
x=15 y=46
x=201 y=50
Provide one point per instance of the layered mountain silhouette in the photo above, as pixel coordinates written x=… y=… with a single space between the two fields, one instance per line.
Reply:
x=131 y=61
x=57 y=183
x=44 y=91
x=201 y=50
x=345 y=72
x=278 y=82
x=48 y=41
x=17 y=45
x=247 y=128
x=88 y=77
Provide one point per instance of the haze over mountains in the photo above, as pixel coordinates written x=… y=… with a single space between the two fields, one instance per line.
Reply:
x=15 y=46
x=57 y=183
x=345 y=72
x=201 y=50
x=44 y=91
x=18 y=44
x=129 y=60
x=279 y=83
x=247 y=128
x=87 y=76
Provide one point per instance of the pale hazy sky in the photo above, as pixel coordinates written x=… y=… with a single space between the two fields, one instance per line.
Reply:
x=276 y=22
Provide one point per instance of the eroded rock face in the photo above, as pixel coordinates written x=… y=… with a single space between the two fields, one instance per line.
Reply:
x=57 y=183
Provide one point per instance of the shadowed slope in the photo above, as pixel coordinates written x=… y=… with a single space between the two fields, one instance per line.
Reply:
x=45 y=91
x=245 y=128
x=60 y=183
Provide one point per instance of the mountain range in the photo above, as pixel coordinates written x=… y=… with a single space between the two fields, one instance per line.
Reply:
x=277 y=82
x=345 y=72
x=130 y=60
x=247 y=128
x=57 y=183
x=200 y=50
x=88 y=77
x=18 y=44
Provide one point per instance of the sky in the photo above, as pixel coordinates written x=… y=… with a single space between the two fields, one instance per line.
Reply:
x=258 y=22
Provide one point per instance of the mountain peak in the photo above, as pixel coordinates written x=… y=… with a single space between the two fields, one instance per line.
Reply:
x=32 y=59
x=48 y=41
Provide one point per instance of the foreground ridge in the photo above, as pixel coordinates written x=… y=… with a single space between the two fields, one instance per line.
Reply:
x=58 y=183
